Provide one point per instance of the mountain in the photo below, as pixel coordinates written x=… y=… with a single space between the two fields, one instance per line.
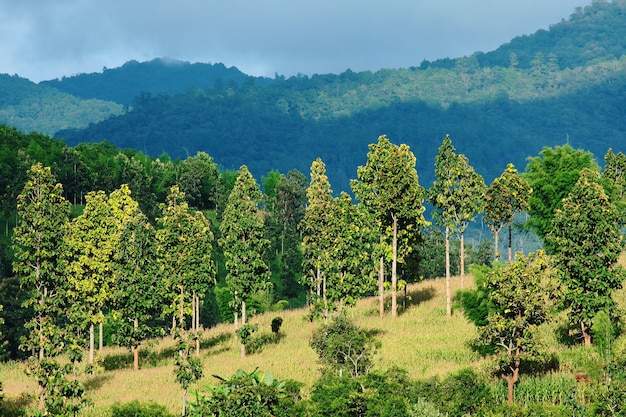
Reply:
x=495 y=112
x=159 y=76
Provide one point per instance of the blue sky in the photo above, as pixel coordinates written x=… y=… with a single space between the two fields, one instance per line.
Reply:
x=46 y=39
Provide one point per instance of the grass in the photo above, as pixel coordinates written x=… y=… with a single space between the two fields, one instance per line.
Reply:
x=421 y=340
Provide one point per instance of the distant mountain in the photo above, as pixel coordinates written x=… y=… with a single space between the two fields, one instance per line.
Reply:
x=159 y=76
x=32 y=107
x=495 y=114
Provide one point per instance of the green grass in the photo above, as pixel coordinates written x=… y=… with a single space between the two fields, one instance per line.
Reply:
x=421 y=340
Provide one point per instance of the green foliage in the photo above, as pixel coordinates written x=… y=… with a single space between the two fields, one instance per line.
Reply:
x=343 y=348
x=587 y=242
x=459 y=394
x=139 y=409
x=551 y=176
x=249 y=394
x=475 y=303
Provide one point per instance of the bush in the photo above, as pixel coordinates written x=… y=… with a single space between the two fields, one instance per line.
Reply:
x=343 y=348
x=276 y=323
x=138 y=409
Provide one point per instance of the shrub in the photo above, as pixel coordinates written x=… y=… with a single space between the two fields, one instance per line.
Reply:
x=343 y=348
x=276 y=323
x=138 y=409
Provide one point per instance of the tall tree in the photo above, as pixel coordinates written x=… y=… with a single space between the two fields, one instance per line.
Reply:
x=587 y=242
x=43 y=213
x=136 y=292
x=552 y=175
x=388 y=187
x=458 y=195
x=243 y=242
x=315 y=232
x=520 y=297
x=90 y=247
x=506 y=196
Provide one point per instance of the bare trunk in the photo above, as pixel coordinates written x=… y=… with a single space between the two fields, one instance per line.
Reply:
x=184 y=402
x=325 y=298
x=394 y=266
x=91 y=343
x=496 y=237
x=586 y=335
x=243 y=323
x=462 y=259
x=510 y=381
x=448 y=295
x=381 y=288
x=136 y=348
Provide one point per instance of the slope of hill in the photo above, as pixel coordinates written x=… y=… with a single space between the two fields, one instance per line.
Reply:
x=161 y=75
x=32 y=107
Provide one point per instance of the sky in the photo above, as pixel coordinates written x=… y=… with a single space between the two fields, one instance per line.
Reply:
x=47 y=39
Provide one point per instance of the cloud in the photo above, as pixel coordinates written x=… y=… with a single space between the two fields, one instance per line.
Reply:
x=45 y=39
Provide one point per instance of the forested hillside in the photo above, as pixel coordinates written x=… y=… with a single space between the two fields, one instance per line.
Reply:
x=497 y=110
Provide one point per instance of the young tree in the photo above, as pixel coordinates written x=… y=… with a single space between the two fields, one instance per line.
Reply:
x=352 y=240
x=243 y=242
x=458 y=195
x=506 y=196
x=551 y=176
x=315 y=232
x=587 y=242
x=389 y=189
x=520 y=297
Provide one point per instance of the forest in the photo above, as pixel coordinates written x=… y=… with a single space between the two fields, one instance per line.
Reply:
x=163 y=250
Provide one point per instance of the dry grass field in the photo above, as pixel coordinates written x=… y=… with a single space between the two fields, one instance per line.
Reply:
x=421 y=340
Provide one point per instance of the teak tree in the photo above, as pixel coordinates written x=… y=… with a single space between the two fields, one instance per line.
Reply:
x=505 y=197
x=352 y=239
x=43 y=214
x=389 y=189
x=136 y=291
x=315 y=227
x=521 y=296
x=458 y=195
x=244 y=243
x=90 y=248
x=587 y=243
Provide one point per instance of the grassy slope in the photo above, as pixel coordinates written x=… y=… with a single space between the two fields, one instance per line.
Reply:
x=422 y=340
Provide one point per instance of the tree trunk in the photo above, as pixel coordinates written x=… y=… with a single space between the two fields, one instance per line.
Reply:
x=184 y=402
x=496 y=237
x=136 y=347
x=510 y=381
x=448 y=295
x=394 y=266
x=462 y=259
x=91 y=343
x=381 y=288
x=586 y=335
x=325 y=298
x=101 y=337
x=243 y=323
x=510 y=244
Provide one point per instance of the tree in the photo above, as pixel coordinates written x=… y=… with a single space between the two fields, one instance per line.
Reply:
x=458 y=195
x=315 y=227
x=352 y=240
x=389 y=189
x=243 y=242
x=43 y=214
x=615 y=172
x=507 y=195
x=136 y=300
x=90 y=248
x=520 y=297
x=551 y=176
x=586 y=239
